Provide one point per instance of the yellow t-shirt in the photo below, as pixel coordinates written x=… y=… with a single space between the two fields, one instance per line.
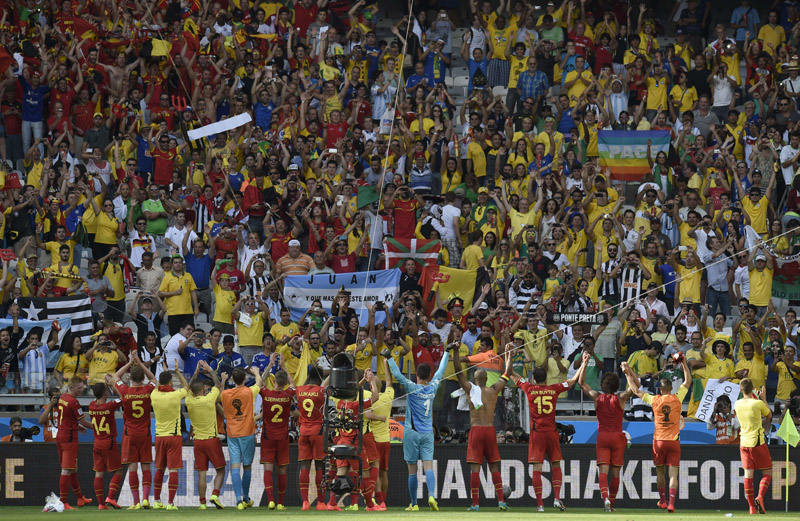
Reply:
x=117 y=278
x=62 y=282
x=278 y=331
x=686 y=97
x=756 y=369
x=558 y=140
x=641 y=363
x=785 y=382
x=223 y=310
x=517 y=66
x=749 y=411
x=179 y=304
x=472 y=255
x=203 y=414
x=773 y=36
x=251 y=335
x=69 y=365
x=363 y=358
x=579 y=86
x=757 y=213
x=760 y=287
x=167 y=408
x=449 y=371
x=690 y=283
x=518 y=220
x=382 y=407
x=716 y=368
x=591 y=148
x=102 y=364
x=53 y=246
x=500 y=41
x=657 y=93
x=478 y=157
x=106 y=229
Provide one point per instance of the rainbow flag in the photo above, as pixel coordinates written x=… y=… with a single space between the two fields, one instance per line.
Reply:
x=625 y=151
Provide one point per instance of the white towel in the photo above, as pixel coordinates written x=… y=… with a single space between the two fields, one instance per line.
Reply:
x=474 y=396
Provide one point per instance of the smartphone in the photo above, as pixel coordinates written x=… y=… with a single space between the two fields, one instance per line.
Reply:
x=332 y=151
x=683 y=248
x=318 y=199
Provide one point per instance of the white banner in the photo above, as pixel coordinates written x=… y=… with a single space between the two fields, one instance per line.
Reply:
x=715 y=388
x=220 y=126
x=300 y=291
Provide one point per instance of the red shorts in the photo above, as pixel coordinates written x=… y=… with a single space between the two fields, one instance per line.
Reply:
x=482 y=443
x=310 y=447
x=667 y=452
x=68 y=454
x=756 y=458
x=208 y=451
x=370 y=447
x=107 y=460
x=137 y=449
x=384 y=448
x=275 y=451
x=542 y=445
x=611 y=448
x=169 y=452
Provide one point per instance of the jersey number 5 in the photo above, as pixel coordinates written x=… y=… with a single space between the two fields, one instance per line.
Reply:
x=138 y=410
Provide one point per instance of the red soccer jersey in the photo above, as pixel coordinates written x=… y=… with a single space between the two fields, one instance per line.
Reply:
x=103 y=423
x=136 y=408
x=70 y=414
x=422 y=355
x=336 y=131
x=311 y=402
x=405 y=218
x=275 y=408
x=609 y=413
x=542 y=404
x=163 y=163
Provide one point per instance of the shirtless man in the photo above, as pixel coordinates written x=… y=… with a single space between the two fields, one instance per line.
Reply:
x=482 y=438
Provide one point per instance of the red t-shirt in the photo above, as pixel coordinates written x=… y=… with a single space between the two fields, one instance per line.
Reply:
x=64 y=97
x=609 y=413
x=423 y=355
x=344 y=263
x=103 y=423
x=136 y=408
x=310 y=403
x=335 y=133
x=163 y=163
x=83 y=115
x=304 y=17
x=276 y=406
x=405 y=218
x=542 y=404
x=280 y=245
x=582 y=44
x=237 y=278
x=70 y=414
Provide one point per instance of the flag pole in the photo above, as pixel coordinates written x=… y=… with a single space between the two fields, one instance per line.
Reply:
x=787 y=478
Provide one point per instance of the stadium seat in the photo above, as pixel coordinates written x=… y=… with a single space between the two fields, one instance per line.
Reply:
x=460 y=81
x=500 y=91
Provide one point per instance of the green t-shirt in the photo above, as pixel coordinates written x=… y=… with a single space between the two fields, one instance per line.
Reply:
x=156 y=226
x=593 y=369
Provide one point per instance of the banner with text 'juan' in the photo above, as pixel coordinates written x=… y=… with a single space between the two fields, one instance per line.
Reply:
x=625 y=151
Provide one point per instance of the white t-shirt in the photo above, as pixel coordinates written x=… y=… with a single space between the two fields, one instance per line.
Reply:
x=176 y=236
x=787 y=153
x=248 y=253
x=449 y=213
x=723 y=91
x=741 y=278
x=171 y=352
x=139 y=245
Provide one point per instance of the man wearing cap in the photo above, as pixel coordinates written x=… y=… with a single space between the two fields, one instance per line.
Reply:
x=294 y=262
x=756 y=205
x=760 y=273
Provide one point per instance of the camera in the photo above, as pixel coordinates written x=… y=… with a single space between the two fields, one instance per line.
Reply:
x=27 y=433
x=793 y=404
x=380 y=306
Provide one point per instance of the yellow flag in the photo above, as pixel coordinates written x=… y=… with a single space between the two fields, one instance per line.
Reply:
x=449 y=283
x=161 y=47
x=788 y=431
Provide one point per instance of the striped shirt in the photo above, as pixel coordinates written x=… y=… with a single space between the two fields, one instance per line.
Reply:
x=294 y=266
x=34 y=369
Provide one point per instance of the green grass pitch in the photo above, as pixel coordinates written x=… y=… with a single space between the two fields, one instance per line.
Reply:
x=445 y=514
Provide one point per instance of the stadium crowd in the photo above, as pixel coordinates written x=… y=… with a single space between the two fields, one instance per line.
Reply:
x=475 y=125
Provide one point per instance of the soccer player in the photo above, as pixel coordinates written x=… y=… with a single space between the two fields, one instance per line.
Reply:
x=369 y=453
x=482 y=437
x=166 y=403
x=611 y=441
x=202 y=408
x=105 y=450
x=137 y=444
x=418 y=426
x=668 y=424
x=310 y=447
x=237 y=404
x=543 y=441
x=752 y=410
x=276 y=406
x=380 y=430
x=70 y=416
